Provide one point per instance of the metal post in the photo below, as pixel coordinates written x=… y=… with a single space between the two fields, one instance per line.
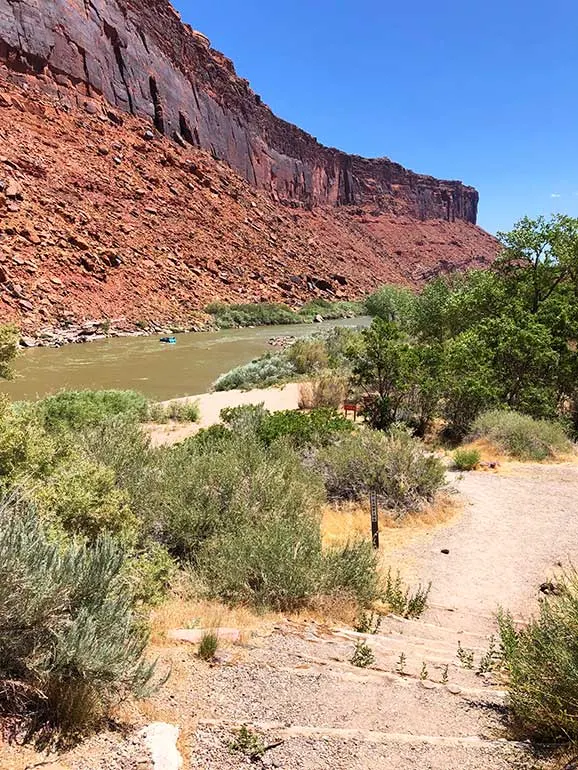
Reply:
x=374 y=519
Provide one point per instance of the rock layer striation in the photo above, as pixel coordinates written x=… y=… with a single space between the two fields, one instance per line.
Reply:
x=142 y=59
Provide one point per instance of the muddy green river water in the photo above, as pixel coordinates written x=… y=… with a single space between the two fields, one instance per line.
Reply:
x=143 y=363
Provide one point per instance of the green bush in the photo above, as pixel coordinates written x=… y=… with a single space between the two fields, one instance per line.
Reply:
x=270 y=369
x=78 y=409
x=402 y=600
x=541 y=660
x=351 y=571
x=255 y=314
x=522 y=436
x=308 y=356
x=396 y=466
x=331 y=309
x=316 y=428
x=70 y=645
x=392 y=303
x=466 y=459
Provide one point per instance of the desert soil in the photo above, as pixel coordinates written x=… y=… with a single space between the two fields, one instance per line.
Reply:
x=293 y=684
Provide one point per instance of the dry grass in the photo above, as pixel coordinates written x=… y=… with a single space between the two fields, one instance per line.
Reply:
x=352 y=520
x=177 y=612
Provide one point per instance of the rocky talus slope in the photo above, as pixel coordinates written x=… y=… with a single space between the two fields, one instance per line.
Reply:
x=140 y=177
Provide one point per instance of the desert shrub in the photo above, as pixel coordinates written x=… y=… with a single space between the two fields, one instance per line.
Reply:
x=331 y=309
x=178 y=411
x=466 y=459
x=208 y=645
x=396 y=466
x=541 y=660
x=244 y=419
x=150 y=573
x=402 y=600
x=317 y=428
x=274 y=564
x=78 y=409
x=70 y=645
x=327 y=389
x=251 y=314
x=81 y=498
x=308 y=356
x=521 y=435
x=363 y=656
x=227 y=487
x=351 y=571
x=270 y=369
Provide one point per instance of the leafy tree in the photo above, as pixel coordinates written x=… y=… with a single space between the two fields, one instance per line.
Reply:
x=392 y=303
x=382 y=369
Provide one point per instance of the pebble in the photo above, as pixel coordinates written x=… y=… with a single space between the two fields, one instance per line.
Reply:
x=455 y=689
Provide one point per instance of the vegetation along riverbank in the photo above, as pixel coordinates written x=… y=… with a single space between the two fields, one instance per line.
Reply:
x=115 y=550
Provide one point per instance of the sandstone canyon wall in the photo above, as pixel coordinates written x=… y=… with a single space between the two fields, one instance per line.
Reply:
x=141 y=178
x=144 y=60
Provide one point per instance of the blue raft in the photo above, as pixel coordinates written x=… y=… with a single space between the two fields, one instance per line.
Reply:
x=169 y=340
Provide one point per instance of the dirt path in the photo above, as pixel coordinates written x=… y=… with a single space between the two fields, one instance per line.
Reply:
x=517 y=528
x=418 y=705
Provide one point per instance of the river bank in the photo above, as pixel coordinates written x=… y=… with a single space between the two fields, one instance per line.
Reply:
x=141 y=363
x=211 y=404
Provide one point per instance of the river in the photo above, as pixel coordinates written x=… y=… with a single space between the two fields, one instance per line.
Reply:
x=144 y=364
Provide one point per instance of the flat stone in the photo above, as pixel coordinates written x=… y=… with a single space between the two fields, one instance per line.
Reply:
x=455 y=689
x=160 y=738
x=427 y=685
x=13 y=189
x=195 y=635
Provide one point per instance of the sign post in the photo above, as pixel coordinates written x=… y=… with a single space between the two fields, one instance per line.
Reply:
x=374 y=519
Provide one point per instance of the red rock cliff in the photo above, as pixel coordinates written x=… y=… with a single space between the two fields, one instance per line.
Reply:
x=145 y=61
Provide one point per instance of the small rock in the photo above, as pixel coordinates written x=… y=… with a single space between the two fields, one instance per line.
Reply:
x=25 y=304
x=5 y=100
x=117 y=160
x=13 y=189
x=103 y=150
x=445 y=551
x=318 y=319
x=161 y=740
x=148 y=135
x=455 y=689
x=56 y=281
x=91 y=108
x=427 y=685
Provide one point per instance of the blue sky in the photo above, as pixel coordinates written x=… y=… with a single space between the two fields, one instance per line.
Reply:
x=485 y=92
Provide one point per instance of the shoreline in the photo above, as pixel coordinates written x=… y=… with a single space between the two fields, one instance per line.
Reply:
x=275 y=399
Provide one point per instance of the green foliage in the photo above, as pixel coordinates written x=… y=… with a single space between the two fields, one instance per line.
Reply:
x=270 y=369
x=208 y=645
x=79 y=409
x=541 y=660
x=368 y=623
x=363 y=656
x=316 y=428
x=177 y=411
x=466 y=459
x=308 y=356
x=69 y=640
x=9 y=339
x=82 y=498
x=248 y=743
x=522 y=436
x=402 y=600
x=331 y=309
x=392 y=303
x=256 y=314
x=351 y=571
x=150 y=572
x=396 y=466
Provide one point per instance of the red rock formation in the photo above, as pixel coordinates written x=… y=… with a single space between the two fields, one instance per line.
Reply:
x=145 y=61
x=102 y=217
